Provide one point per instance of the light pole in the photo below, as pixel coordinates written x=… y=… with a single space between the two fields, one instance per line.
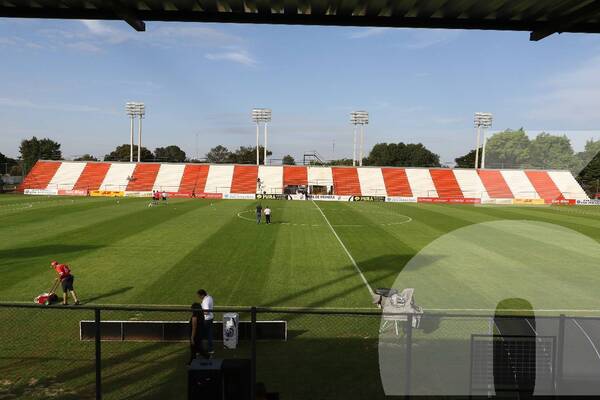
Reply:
x=359 y=118
x=130 y=108
x=483 y=120
x=135 y=109
x=261 y=115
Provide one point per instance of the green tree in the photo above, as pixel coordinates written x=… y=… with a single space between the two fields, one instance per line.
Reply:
x=170 y=154
x=288 y=160
x=247 y=155
x=86 y=157
x=6 y=163
x=589 y=177
x=468 y=160
x=218 y=154
x=550 y=151
x=402 y=155
x=508 y=149
x=341 y=161
x=35 y=149
x=121 y=153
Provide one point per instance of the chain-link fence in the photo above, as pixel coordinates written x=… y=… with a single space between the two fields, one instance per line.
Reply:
x=144 y=352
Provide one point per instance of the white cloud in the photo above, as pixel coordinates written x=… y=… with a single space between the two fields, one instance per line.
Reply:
x=425 y=38
x=568 y=100
x=236 y=56
x=362 y=33
x=24 y=103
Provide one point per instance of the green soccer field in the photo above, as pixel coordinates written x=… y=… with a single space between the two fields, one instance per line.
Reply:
x=459 y=259
x=123 y=252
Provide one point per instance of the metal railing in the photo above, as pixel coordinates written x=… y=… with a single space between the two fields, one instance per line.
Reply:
x=327 y=354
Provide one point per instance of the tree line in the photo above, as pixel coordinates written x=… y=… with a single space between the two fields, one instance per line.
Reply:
x=507 y=149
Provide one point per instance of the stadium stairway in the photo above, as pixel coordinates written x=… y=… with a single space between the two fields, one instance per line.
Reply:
x=244 y=179
x=40 y=175
x=143 y=178
x=544 y=185
x=271 y=178
x=193 y=179
x=116 y=177
x=445 y=183
x=371 y=182
x=295 y=176
x=396 y=182
x=470 y=184
x=66 y=176
x=345 y=181
x=494 y=184
x=92 y=176
x=568 y=186
x=169 y=177
x=421 y=183
x=519 y=184
x=219 y=179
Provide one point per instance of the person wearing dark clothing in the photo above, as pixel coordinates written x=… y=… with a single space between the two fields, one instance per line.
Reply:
x=197 y=322
x=258 y=213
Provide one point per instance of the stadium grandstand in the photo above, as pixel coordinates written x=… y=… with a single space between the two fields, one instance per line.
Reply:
x=239 y=181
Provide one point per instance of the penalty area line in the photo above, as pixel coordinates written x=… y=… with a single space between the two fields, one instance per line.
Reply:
x=362 y=276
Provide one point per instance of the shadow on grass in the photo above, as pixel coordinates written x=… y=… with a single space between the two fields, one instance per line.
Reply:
x=106 y=295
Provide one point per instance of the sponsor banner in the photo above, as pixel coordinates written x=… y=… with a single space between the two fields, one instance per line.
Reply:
x=73 y=192
x=528 y=201
x=367 y=198
x=448 y=200
x=138 y=194
x=107 y=193
x=564 y=202
x=588 y=202
x=328 y=197
x=397 y=199
x=41 y=192
x=297 y=196
x=239 y=196
x=275 y=196
x=208 y=195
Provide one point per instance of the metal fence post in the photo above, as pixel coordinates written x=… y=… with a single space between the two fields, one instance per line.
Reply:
x=98 y=354
x=559 y=354
x=408 y=359
x=253 y=353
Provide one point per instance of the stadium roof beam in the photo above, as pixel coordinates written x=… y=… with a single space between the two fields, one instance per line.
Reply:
x=541 y=18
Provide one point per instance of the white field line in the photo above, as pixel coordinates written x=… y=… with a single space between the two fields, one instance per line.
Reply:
x=588 y=337
x=362 y=276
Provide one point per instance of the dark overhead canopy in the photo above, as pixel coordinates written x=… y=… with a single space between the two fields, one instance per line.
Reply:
x=540 y=17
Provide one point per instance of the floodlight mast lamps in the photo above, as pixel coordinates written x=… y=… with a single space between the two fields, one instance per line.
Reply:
x=483 y=120
x=261 y=115
x=359 y=118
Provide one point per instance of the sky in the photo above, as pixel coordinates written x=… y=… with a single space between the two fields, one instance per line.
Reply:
x=69 y=81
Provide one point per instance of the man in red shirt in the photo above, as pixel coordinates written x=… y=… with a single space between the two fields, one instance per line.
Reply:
x=66 y=280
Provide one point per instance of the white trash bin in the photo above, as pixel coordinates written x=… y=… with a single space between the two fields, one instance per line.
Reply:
x=230 y=330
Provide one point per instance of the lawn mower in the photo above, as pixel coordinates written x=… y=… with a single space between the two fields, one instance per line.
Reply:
x=49 y=297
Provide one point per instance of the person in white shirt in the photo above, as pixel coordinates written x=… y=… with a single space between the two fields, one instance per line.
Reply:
x=267 y=215
x=207 y=306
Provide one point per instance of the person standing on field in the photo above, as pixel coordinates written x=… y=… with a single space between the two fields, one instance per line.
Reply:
x=66 y=281
x=207 y=307
x=197 y=322
x=267 y=215
x=258 y=213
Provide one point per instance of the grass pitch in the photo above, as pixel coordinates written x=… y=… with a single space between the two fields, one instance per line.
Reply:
x=313 y=255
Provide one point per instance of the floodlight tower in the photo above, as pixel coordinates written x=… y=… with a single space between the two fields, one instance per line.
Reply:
x=141 y=109
x=261 y=115
x=359 y=118
x=130 y=108
x=483 y=120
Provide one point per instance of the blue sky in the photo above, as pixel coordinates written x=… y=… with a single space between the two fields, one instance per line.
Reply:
x=69 y=80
